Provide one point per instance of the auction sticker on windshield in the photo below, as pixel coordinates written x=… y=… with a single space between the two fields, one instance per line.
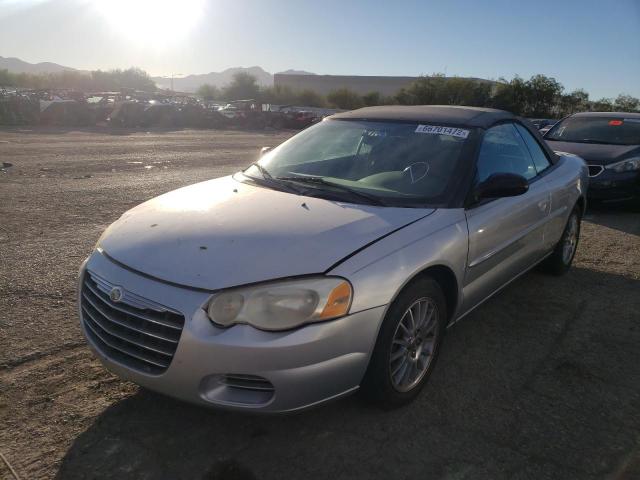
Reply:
x=438 y=130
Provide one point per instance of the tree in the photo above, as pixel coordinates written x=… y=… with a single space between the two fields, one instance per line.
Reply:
x=540 y=96
x=208 y=92
x=542 y=93
x=602 y=105
x=131 y=78
x=278 y=94
x=309 y=98
x=423 y=91
x=244 y=86
x=440 y=90
x=371 y=99
x=504 y=96
x=285 y=95
x=464 y=91
x=576 y=101
x=403 y=97
x=626 y=103
x=7 y=79
x=345 y=98
x=519 y=95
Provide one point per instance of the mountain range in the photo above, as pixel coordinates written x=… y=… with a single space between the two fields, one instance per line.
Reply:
x=188 y=83
x=15 y=65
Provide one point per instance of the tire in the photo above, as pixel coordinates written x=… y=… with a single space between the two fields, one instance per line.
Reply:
x=559 y=262
x=418 y=352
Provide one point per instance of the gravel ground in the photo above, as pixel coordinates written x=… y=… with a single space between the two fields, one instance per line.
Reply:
x=542 y=381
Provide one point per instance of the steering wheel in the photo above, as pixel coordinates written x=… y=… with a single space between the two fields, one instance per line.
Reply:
x=416 y=171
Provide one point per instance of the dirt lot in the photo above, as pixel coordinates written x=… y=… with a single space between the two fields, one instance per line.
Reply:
x=543 y=381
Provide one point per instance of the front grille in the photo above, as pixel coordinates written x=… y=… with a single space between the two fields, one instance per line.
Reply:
x=595 y=170
x=134 y=331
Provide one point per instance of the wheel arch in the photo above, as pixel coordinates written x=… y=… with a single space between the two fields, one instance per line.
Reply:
x=446 y=278
x=448 y=281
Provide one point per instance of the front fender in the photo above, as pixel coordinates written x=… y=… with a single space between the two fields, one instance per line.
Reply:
x=381 y=271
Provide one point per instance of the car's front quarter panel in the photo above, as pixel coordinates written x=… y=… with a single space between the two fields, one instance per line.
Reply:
x=379 y=272
x=568 y=182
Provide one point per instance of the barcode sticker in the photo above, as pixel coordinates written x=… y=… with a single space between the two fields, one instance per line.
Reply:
x=438 y=130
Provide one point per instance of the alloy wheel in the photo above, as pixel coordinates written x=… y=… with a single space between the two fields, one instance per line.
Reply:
x=570 y=240
x=414 y=343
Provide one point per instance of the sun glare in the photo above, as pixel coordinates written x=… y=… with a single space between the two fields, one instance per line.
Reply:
x=152 y=22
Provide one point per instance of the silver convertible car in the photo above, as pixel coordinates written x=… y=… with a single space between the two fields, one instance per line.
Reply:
x=334 y=263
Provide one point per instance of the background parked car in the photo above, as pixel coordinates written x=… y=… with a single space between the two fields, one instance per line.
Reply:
x=543 y=124
x=610 y=144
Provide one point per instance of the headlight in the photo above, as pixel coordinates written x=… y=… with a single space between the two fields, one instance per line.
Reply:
x=628 y=165
x=282 y=305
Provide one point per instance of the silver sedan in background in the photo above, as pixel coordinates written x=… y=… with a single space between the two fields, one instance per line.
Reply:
x=334 y=263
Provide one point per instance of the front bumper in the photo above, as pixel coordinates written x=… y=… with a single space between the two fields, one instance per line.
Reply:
x=612 y=186
x=305 y=366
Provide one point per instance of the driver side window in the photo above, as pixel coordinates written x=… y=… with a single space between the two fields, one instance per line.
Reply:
x=504 y=151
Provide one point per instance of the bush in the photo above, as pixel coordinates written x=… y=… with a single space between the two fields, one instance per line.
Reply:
x=113 y=80
x=309 y=98
x=208 y=92
x=244 y=86
x=626 y=103
x=345 y=99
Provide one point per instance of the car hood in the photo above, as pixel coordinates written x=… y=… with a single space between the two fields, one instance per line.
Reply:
x=223 y=233
x=595 y=153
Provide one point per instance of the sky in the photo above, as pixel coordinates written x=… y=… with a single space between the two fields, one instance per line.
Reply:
x=590 y=44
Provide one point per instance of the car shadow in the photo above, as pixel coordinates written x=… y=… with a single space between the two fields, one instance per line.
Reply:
x=532 y=384
x=624 y=218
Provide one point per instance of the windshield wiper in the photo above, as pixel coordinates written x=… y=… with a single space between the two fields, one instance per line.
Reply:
x=263 y=171
x=372 y=199
x=269 y=179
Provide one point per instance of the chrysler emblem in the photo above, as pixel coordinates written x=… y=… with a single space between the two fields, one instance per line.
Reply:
x=116 y=294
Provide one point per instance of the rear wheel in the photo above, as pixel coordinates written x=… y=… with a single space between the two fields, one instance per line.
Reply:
x=559 y=262
x=407 y=346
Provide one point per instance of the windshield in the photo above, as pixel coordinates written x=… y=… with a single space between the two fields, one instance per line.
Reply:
x=608 y=130
x=397 y=163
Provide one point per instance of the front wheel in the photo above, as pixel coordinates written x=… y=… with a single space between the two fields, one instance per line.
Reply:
x=559 y=262
x=407 y=345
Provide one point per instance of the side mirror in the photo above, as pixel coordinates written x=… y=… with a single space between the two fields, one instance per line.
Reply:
x=502 y=185
x=263 y=150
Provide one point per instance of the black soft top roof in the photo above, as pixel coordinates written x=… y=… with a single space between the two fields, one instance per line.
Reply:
x=444 y=114
x=607 y=114
x=440 y=114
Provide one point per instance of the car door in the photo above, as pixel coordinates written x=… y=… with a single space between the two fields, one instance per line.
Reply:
x=559 y=197
x=505 y=234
